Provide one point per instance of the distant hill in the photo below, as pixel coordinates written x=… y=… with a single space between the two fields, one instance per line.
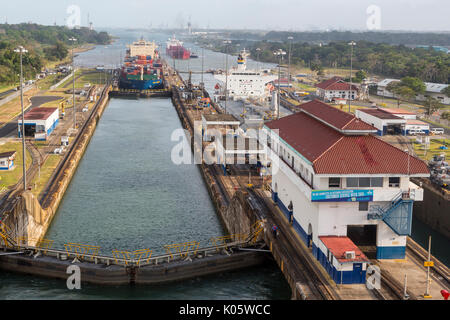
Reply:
x=396 y=38
x=44 y=43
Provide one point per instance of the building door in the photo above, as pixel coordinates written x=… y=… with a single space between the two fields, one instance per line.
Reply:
x=357 y=276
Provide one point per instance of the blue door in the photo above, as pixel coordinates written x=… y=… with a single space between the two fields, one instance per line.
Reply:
x=357 y=273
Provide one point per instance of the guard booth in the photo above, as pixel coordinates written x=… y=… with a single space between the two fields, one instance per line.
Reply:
x=342 y=259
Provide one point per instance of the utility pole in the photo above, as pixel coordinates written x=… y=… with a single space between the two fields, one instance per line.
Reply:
x=428 y=264
x=289 y=66
x=203 y=60
x=226 y=42
x=352 y=44
x=22 y=50
x=279 y=53
x=73 y=85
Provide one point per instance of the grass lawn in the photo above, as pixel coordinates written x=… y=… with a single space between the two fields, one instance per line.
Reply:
x=6 y=87
x=10 y=178
x=47 y=170
x=304 y=87
x=433 y=148
x=10 y=110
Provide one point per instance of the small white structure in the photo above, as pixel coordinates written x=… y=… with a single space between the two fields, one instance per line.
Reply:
x=243 y=83
x=336 y=87
x=392 y=121
x=39 y=123
x=432 y=89
x=7 y=160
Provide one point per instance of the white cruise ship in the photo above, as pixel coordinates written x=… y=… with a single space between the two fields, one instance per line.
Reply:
x=244 y=84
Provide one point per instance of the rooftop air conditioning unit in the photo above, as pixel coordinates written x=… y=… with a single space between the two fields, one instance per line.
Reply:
x=349 y=254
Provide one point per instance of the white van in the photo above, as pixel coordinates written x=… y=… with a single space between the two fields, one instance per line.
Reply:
x=437 y=131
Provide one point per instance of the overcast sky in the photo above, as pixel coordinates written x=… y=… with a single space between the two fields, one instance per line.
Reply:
x=417 y=15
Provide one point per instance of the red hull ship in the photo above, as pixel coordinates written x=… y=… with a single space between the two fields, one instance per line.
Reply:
x=176 y=50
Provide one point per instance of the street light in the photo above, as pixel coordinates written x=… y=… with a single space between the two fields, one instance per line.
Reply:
x=21 y=50
x=352 y=44
x=73 y=85
x=279 y=53
x=289 y=66
x=226 y=42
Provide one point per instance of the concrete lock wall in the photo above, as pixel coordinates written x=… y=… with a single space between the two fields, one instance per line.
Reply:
x=434 y=210
x=28 y=219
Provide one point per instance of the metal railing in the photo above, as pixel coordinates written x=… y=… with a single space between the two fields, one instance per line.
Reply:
x=139 y=258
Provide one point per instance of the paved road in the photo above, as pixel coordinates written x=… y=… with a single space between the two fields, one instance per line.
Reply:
x=5 y=93
x=36 y=101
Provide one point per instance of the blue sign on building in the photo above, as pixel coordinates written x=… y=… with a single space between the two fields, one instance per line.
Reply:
x=342 y=195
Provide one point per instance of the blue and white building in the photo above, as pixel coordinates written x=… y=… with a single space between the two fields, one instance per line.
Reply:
x=39 y=123
x=7 y=160
x=342 y=186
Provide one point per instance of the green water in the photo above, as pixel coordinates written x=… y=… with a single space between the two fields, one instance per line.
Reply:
x=127 y=194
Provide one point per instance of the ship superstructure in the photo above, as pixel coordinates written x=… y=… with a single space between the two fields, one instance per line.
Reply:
x=243 y=83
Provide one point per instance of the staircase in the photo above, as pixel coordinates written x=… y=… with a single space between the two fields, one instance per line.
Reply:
x=397 y=214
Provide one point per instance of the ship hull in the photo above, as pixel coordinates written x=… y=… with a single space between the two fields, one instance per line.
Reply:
x=140 y=84
x=178 y=53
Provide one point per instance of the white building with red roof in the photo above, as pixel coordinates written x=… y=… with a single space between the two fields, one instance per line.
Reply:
x=39 y=122
x=336 y=179
x=337 y=89
x=392 y=121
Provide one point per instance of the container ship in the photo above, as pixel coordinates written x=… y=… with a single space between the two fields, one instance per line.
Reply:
x=176 y=50
x=142 y=67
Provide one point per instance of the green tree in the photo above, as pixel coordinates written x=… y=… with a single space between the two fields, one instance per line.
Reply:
x=360 y=76
x=446 y=115
x=431 y=106
x=446 y=91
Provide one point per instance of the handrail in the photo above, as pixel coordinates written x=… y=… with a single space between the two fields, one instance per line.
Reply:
x=131 y=262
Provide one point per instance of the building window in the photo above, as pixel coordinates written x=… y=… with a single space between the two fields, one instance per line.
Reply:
x=334 y=182
x=364 y=182
x=352 y=182
x=363 y=206
x=394 y=182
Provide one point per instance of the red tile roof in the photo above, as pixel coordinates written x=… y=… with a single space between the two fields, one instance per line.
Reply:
x=325 y=84
x=367 y=155
x=39 y=113
x=333 y=152
x=339 y=245
x=381 y=114
x=309 y=137
x=336 y=83
x=398 y=111
x=8 y=154
x=335 y=117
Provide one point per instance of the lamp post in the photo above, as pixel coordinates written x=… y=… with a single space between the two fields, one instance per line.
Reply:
x=203 y=59
x=21 y=50
x=352 y=44
x=279 y=53
x=289 y=66
x=73 y=85
x=226 y=42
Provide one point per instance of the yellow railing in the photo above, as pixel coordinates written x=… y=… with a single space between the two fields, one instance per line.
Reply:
x=182 y=248
x=80 y=250
x=44 y=244
x=137 y=256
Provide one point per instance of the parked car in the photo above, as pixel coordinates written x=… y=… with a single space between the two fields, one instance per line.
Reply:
x=437 y=131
